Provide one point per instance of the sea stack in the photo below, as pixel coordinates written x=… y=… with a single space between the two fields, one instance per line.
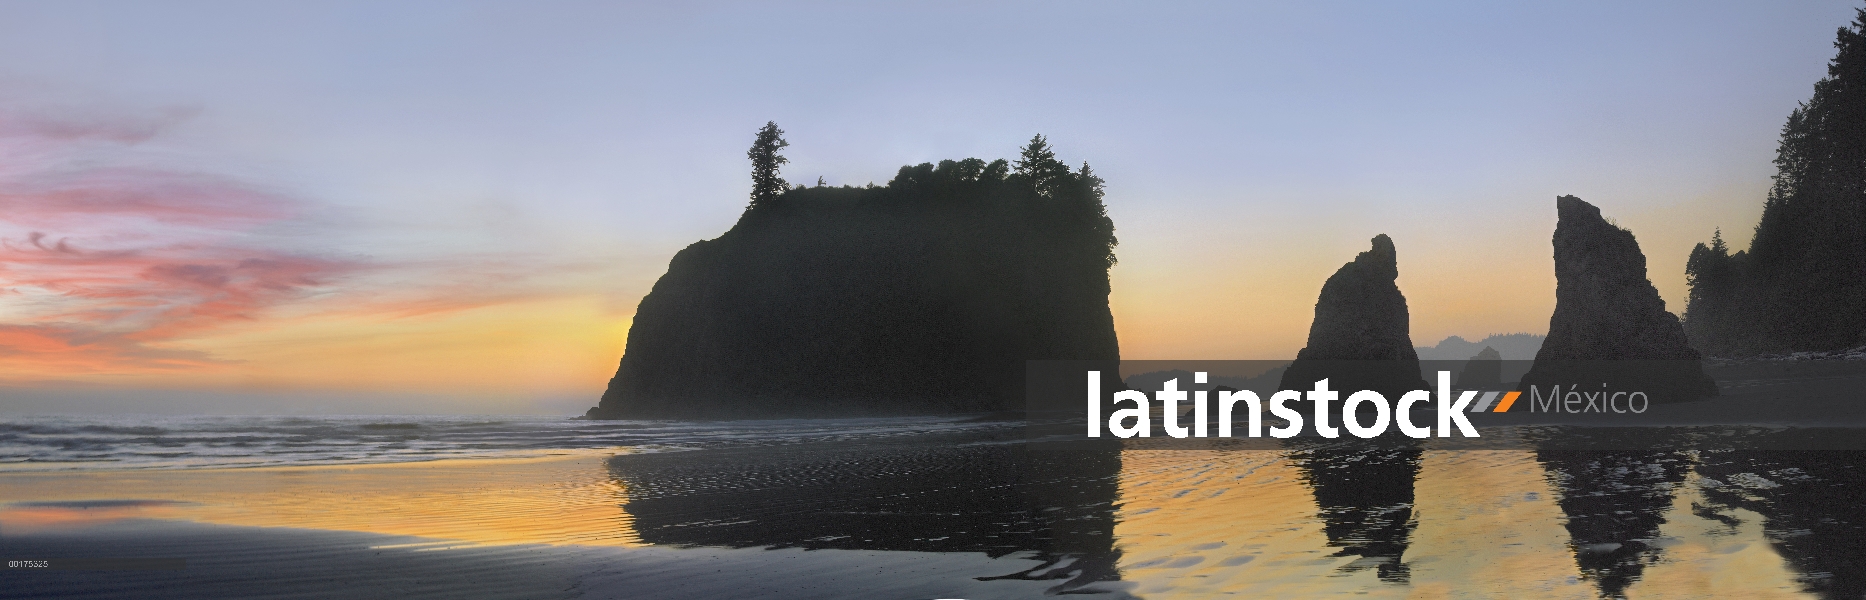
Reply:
x=927 y=295
x=1361 y=317
x=1483 y=372
x=1610 y=326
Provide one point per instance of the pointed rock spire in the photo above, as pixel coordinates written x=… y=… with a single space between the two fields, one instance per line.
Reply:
x=1361 y=316
x=1609 y=325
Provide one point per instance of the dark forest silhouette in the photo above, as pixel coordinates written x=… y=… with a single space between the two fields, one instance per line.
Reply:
x=1802 y=283
x=927 y=294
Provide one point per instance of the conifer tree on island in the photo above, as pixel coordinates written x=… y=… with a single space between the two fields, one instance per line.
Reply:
x=766 y=184
x=1038 y=164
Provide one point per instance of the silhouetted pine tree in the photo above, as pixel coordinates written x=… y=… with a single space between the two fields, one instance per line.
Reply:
x=1802 y=283
x=1037 y=164
x=766 y=184
x=1096 y=227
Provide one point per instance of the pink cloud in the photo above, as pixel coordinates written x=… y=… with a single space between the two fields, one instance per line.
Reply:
x=112 y=258
x=163 y=291
x=68 y=125
x=164 y=197
x=104 y=264
x=83 y=349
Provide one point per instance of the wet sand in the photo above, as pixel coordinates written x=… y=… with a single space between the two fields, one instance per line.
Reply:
x=527 y=528
x=565 y=499
x=256 y=562
x=966 y=516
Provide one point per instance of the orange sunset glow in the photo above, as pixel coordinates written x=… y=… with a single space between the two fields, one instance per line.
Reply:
x=431 y=233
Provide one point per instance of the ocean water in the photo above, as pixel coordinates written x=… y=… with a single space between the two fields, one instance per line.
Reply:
x=92 y=442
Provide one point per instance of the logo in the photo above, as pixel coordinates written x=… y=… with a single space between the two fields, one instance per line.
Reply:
x=1136 y=421
x=1577 y=401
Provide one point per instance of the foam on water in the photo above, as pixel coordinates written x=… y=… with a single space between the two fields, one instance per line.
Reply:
x=167 y=442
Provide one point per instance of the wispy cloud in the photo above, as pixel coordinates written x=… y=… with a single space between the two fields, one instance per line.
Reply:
x=134 y=249
x=85 y=349
x=105 y=263
x=68 y=124
x=72 y=198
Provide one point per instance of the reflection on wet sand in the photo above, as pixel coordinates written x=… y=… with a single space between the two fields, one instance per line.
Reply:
x=1201 y=522
x=1662 y=513
x=1811 y=506
x=1198 y=523
x=1488 y=525
x=553 y=500
x=1614 y=502
x=1712 y=551
x=1526 y=523
x=1364 y=496
x=1649 y=518
x=1054 y=501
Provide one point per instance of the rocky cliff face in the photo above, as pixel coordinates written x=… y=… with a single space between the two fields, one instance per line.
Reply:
x=1360 y=316
x=1610 y=326
x=926 y=295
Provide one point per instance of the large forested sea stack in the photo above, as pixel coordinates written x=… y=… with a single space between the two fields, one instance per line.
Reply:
x=1610 y=326
x=1361 y=337
x=1801 y=285
x=924 y=295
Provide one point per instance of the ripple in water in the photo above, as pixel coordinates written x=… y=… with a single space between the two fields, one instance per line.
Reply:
x=169 y=442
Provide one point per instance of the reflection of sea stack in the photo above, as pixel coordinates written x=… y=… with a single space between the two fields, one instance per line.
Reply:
x=966 y=492
x=1606 y=310
x=1366 y=499
x=1360 y=316
x=1615 y=501
x=1483 y=372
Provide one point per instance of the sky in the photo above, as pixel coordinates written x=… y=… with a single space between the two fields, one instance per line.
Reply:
x=455 y=206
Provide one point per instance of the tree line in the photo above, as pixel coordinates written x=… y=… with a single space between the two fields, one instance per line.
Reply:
x=1801 y=284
